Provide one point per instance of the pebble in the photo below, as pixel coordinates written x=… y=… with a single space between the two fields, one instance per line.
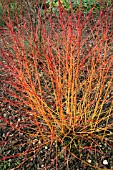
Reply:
x=42 y=165
x=39 y=142
x=45 y=147
x=105 y=162
x=89 y=160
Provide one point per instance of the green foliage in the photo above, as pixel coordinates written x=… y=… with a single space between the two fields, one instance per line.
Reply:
x=1 y=16
x=11 y=8
x=4 y=165
x=86 y=4
x=7 y=164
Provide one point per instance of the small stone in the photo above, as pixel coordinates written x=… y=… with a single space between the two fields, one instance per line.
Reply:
x=18 y=119
x=33 y=142
x=105 y=162
x=9 y=107
x=5 y=114
x=39 y=142
x=45 y=147
x=89 y=160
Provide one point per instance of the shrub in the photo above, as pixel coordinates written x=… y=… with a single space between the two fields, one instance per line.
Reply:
x=57 y=88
